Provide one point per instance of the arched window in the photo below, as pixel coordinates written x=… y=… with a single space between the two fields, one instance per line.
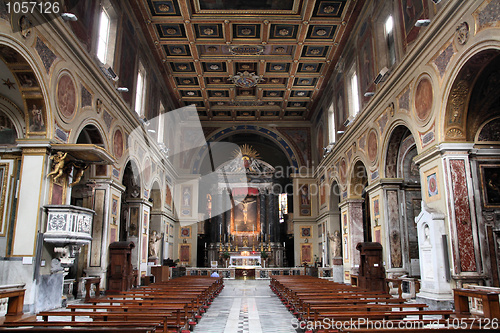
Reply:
x=106 y=38
x=389 y=37
x=331 y=124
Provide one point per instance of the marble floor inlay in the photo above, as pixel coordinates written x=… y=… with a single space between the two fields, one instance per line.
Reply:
x=246 y=306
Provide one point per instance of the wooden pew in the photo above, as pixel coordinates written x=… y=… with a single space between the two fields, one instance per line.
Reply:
x=49 y=329
x=167 y=307
x=315 y=300
x=15 y=293
x=491 y=306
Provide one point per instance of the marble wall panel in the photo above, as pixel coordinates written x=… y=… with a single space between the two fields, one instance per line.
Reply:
x=463 y=222
x=394 y=229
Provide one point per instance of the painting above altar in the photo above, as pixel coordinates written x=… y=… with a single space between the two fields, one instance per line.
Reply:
x=245 y=217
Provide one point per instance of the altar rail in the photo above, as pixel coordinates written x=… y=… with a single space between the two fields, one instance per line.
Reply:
x=325 y=272
x=260 y=273
x=226 y=273
x=265 y=273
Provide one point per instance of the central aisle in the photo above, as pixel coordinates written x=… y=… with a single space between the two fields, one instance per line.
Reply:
x=246 y=306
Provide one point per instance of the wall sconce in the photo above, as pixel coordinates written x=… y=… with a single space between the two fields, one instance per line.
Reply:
x=69 y=17
x=422 y=23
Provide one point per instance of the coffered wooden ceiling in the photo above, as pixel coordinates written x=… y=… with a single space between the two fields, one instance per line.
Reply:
x=292 y=44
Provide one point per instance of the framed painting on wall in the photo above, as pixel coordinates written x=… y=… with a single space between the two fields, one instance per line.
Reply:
x=145 y=248
x=306 y=253
x=36 y=115
x=185 y=253
x=304 y=200
x=322 y=193
x=245 y=216
x=431 y=178
x=185 y=232
x=145 y=221
x=168 y=197
x=4 y=176
x=134 y=221
x=305 y=232
x=490 y=184
x=376 y=207
x=346 y=248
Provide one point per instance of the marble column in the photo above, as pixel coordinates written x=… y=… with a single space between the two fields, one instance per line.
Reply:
x=139 y=231
x=461 y=211
x=270 y=217
x=263 y=230
x=98 y=261
x=393 y=224
x=217 y=220
x=226 y=226
x=30 y=198
x=355 y=211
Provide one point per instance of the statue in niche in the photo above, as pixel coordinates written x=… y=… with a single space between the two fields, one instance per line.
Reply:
x=58 y=164
x=154 y=244
x=427 y=240
x=336 y=244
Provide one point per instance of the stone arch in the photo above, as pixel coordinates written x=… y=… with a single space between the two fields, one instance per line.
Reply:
x=402 y=194
x=283 y=143
x=91 y=132
x=12 y=122
x=131 y=170
x=398 y=128
x=131 y=179
x=357 y=190
x=477 y=121
x=30 y=94
x=156 y=194
x=358 y=179
x=457 y=126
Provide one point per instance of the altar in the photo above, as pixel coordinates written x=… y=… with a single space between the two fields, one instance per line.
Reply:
x=244 y=266
x=245 y=261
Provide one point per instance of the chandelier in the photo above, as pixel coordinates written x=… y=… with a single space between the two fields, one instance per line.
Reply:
x=246 y=79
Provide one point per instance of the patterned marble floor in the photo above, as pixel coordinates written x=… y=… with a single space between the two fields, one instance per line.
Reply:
x=246 y=306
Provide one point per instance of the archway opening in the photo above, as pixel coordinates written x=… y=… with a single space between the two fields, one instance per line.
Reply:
x=263 y=193
x=130 y=213
x=334 y=246
x=403 y=197
x=482 y=127
x=90 y=134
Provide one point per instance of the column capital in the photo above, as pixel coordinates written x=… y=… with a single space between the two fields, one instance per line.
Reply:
x=349 y=202
x=383 y=183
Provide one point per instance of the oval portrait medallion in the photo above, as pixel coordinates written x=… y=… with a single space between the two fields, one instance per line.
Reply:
x=66 y=96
